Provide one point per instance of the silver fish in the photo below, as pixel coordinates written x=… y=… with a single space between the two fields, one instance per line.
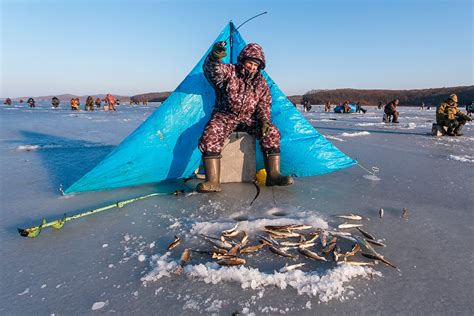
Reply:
x=220 y=257
x=375 y=242
x=381 y=212
x=357 y=263
x=366 y=234
x=185 y=256
x=231 y=261
x=234 y=250
x=229 y=231
x=255 y=248
x=310 y=254
x=245 y=239
x=348 y=225
x=405 y=213
x=281 y=234
x=292 y=267
x=330 y=247
x=175 y=243
x=217 y=242
x=281 y=251
x=323 y=238
x=378 y=257
x=353 y=217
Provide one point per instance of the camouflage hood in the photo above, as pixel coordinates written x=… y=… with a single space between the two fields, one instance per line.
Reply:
x=252 y=50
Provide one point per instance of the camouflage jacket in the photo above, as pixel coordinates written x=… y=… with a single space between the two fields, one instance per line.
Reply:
x=390 y=108
x=446 y=112
x=241 y=94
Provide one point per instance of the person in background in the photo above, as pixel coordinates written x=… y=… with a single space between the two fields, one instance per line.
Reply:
x=422 y=105
x=346 y=108
x=8 y=101
x=75 y=104
x=380 y=105
x=98 y=103
x=110 y=101
x=243 y=102
x=306 y=105
x=55 y=102
x=327 y=107
x=470 y=108
x=31 y=102
x=21 y=101
x=448 y=114
x=391 y=113
x=89 y=104
x=359 y=108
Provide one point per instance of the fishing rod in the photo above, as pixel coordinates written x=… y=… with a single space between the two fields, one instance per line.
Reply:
x=34 y=231
x=248 y=20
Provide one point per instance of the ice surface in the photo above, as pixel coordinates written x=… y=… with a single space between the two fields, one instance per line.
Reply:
x=43 y=149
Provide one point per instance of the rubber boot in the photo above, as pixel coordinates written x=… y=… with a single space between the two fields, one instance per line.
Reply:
x=395 y=117
x=457 y=130
x=272 y=167
x=450 y=131
x=212 y=168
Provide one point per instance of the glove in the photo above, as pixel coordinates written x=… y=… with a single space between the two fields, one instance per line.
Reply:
x=468 y=118
x=265 y=128
x=219 y=50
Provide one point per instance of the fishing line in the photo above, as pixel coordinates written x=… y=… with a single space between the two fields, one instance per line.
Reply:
x=373 y=172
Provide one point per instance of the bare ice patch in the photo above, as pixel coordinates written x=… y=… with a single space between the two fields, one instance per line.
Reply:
x=463 y=158
x=364 y=133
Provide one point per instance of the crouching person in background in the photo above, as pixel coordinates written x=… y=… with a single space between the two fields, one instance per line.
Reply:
x=448 y=114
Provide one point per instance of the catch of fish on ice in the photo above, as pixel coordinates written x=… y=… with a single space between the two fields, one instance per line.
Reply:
x=349 y=244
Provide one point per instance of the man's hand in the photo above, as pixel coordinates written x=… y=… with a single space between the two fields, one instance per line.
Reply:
x=219 y=50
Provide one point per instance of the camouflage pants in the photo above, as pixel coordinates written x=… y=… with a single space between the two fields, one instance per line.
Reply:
x=220 y=127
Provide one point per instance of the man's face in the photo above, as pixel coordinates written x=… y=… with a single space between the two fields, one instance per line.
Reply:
x=250 y=66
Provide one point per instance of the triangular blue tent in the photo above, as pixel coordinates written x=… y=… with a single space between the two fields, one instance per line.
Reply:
x=164 y=147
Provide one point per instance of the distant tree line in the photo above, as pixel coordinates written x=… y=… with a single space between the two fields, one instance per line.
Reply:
x=373 y=97
x=151 y=97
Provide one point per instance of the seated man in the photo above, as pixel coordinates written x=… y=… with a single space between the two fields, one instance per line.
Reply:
x=243 y=102
x=448 y=114
x=346 y=107
x=391 y=113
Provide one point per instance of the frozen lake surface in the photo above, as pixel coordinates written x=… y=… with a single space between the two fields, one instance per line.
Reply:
x=117 y=261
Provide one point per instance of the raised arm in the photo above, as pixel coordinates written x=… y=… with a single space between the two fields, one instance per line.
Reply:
x=217 y=73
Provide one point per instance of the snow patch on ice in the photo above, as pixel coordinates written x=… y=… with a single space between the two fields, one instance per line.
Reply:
x=325 y=286
x=334 y=138
x=364 y=133
x=372 y=177
x=98 y=305
x=27 y=147
x=252 y=226
x=463 y=158
x=26 y=291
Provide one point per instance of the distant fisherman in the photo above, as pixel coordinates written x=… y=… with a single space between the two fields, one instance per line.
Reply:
x=31 y=102
x=8 y=101
x=346 y=108
x=327 y=107
x=98 y=102
x=89 y=104
x=359 y=108
x=75 y=104
x=243 y=102
x=55 y=102
x=110 y=101
x=306 y=105
x=448 y=114
x=391 y=113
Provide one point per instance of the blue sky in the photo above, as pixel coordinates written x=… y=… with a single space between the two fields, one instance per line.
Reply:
x=132 y=47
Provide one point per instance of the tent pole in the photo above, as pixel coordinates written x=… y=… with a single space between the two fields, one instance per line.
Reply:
x=230 y=40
